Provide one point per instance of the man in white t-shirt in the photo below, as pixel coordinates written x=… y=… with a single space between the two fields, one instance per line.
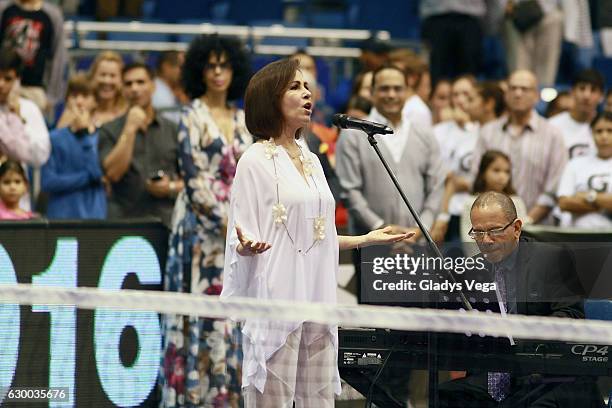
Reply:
x=585 y=189
x=587 y=92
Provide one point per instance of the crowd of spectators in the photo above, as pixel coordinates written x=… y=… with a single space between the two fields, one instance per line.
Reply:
x=114 y=150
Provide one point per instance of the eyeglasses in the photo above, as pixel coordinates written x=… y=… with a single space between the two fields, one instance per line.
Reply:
x=223 y=66
x=493 y=233
x=514 y=88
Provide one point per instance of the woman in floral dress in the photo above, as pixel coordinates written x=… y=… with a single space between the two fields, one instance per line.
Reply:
x=201 y=362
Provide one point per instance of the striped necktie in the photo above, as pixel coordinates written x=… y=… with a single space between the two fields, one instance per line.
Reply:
x=498 y=384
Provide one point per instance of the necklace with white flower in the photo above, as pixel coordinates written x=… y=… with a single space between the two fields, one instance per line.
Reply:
x=279 y=211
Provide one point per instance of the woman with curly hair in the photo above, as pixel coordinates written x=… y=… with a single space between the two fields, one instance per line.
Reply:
x=212 y=136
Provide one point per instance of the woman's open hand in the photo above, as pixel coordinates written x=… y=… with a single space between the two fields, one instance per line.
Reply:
x=386 y=236
x=248 y=247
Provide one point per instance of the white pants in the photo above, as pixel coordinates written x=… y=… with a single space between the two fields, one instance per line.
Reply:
x=537 y=49
x=302 y=370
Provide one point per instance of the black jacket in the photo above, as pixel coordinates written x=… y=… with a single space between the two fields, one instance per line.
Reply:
x=545 y=279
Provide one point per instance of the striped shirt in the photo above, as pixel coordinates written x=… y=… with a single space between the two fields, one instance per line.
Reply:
x=538 y=157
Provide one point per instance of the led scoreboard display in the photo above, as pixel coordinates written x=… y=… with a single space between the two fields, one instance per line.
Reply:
x=104 y=357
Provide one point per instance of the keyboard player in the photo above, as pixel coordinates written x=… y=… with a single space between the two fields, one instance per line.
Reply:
x=531 y=279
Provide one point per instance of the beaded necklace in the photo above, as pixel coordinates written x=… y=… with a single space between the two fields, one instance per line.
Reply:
x=279 y=211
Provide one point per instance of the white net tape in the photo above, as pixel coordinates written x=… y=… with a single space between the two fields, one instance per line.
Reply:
x=531 y=327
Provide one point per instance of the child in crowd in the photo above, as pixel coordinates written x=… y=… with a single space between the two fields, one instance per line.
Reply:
x=13 y=186
x=585 y=188
x=494 y=174
x=72 y=176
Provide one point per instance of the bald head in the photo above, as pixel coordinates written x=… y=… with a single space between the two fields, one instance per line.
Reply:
x=522 y=94
x=495 y=226
x=525 y=76
x=492 y=199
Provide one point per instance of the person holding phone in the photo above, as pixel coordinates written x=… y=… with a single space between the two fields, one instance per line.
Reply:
x=136 y=145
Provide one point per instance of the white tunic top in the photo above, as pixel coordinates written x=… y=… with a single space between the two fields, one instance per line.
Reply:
x=288 y=270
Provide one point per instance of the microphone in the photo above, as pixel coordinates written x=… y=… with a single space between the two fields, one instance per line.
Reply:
x=348 y=122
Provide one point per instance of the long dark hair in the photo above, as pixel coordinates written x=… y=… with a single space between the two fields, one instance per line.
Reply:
x=480 y=184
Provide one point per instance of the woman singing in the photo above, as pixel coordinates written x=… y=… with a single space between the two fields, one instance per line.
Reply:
x=282 y=244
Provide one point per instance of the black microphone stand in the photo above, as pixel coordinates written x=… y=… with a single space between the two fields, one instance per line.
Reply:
x=432 y=340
